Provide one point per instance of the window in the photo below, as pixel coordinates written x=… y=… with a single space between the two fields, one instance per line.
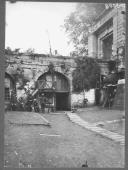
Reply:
x=7 y=94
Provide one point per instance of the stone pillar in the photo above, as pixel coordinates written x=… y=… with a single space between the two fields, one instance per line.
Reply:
x=118 y=29
x=92 y=45
x=115 y=24
x=100 y=48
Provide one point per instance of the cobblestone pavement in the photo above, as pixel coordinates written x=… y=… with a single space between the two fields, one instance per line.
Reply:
x=63 y=144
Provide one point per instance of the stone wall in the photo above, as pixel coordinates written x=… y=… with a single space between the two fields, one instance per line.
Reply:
x=34 y=66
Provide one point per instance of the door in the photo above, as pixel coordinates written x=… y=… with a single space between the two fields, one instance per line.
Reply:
x=62 y=101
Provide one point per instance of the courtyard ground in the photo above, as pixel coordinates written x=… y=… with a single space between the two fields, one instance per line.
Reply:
x=96 y=114
x=63 y=144
x=113 y=120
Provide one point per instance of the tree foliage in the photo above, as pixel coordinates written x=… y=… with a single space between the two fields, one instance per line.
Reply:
x=30 y=51
x=86 y=74
x=77 y=24
x=9 y=51
x=19 y=77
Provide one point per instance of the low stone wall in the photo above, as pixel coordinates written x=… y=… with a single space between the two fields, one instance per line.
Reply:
x=77 y=98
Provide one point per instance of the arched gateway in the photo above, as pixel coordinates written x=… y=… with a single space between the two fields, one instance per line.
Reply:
x=54 y=88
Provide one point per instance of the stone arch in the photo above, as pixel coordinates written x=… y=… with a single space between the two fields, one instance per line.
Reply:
x=60 y=93
x=40 y=73
x=56 y=72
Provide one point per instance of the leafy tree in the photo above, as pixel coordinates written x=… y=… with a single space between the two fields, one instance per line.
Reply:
x=17 y=51
x=19 y=77
x=9 y=51
x=86 y=74
x=77 y=24
x=30 y=51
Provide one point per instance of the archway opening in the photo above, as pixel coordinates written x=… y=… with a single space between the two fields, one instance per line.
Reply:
x=54 y=88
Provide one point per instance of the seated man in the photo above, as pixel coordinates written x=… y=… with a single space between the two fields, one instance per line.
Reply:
x=85 y=102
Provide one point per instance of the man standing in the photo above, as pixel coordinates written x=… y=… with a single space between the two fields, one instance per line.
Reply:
x=42 y=103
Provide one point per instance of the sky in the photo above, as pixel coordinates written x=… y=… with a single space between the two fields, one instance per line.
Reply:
x=32 y=24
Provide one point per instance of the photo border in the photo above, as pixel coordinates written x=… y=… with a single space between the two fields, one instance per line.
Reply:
x=2 y=72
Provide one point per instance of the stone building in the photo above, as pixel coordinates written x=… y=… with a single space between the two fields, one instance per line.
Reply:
x=107 y=35
x=106 y=42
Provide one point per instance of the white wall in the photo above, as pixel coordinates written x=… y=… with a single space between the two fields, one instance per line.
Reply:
x=77 y=98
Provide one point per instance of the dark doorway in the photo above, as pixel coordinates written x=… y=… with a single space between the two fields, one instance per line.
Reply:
x=62 y=101
x=107 y=46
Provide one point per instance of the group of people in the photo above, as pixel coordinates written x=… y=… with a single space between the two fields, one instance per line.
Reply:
x=30 y=104
x=36 y=104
